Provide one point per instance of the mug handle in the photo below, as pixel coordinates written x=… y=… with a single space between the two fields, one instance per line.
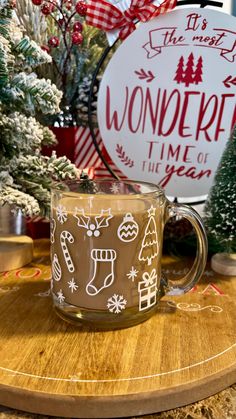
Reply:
x=198 y=267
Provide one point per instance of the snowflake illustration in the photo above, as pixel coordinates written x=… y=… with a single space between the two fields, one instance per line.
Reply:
x=72 y=285
x=60 y=296
x=116 y=303
x=61 y=214
x=132 y=274
x=114 y=188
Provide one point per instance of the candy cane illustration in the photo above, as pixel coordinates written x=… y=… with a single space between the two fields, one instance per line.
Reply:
x=52 y=230
x=67 y=236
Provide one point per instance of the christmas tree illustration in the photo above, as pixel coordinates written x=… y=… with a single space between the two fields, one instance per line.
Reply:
x=198 y=72
x=188 y=74
x=180 y=70
x=149 y=246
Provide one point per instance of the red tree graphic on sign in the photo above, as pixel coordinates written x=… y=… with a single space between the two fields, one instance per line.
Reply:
x=198 y=72
x=180 y=70
x=188 y=74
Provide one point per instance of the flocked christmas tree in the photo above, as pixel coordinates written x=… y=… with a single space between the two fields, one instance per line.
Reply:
x=60 y=28
x=26 y=176
x=220 y=208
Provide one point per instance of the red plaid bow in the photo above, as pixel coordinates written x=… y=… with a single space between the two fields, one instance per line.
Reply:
x=105 y=16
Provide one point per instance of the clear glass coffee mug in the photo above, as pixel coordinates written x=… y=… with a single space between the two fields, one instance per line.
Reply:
x=106 y=248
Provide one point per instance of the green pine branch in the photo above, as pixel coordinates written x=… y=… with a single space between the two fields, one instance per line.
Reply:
x=32 y=53
x=37 y=94
x=5 y=19
x=19 y=201
x=36 y=175
x=26 y=176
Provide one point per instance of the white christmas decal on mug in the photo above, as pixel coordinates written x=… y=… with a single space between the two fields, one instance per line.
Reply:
x=107 y=256
x=52 y=228
x=149 y=246
x=128 y=229
x=147 y=290
x=61 y=214
x=100 y=221
x=116 y=303
x=67 y=236
x=56 y=268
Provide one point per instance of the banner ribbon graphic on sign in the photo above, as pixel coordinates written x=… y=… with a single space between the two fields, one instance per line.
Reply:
x=218 y=38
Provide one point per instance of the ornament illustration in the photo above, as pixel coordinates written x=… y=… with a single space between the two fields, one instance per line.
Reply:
x=128 y=229
x=72 y=285
x=132 y=274
x=147 y=289
x=116 y=303
x=61 y=214
x=56 y=268
x=100 y=221
x=149 y=246
x=52 y=230
x=64 y=237
x=107 y=256
x=60 y=297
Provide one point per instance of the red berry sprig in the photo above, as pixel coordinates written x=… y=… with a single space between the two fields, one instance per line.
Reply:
x=77 y=38
x=78 y=27
x=81 y=8
x=47 y=9
x=37 y=2
x=53 y=41
x=68 y=5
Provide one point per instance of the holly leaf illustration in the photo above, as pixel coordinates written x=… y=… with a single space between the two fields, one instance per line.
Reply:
x=83 y=220
x=102 y=220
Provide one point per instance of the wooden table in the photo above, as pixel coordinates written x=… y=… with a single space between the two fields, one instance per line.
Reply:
x=183 y=354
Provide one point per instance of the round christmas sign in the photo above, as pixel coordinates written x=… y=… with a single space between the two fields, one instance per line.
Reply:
x=166 y=103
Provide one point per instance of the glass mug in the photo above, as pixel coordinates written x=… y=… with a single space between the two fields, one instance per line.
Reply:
x=106 y=249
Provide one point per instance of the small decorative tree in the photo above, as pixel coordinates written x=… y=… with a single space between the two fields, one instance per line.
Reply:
x=26 y=176
x=220 y=209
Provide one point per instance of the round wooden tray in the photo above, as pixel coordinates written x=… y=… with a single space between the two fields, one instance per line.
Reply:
x=184 y=353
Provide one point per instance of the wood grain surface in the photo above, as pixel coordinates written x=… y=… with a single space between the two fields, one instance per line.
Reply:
x=15 y=251
x=184 y=353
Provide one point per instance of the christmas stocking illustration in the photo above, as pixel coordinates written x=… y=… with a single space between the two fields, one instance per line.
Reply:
x=106 y=258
